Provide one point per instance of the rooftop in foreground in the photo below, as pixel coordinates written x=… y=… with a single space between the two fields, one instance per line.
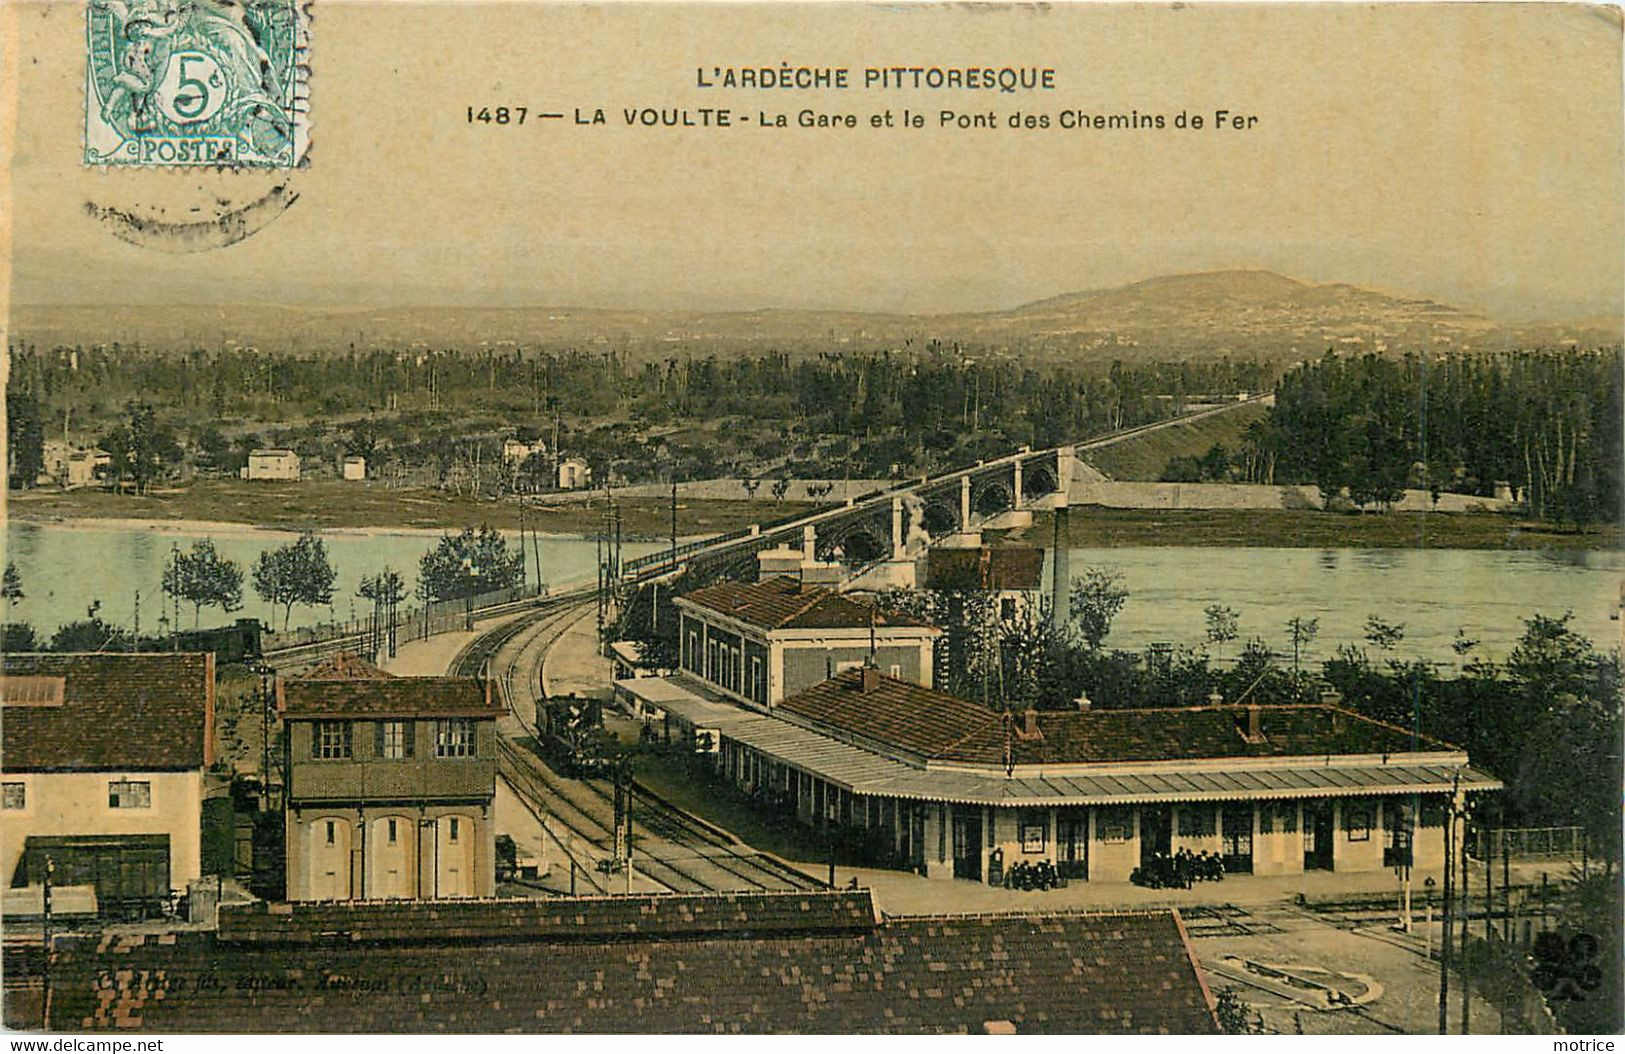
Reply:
x=107 y=711
x=820 y=962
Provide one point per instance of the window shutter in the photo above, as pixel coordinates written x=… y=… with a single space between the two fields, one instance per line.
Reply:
x=409 y=732
x=316 y=739
x=378 y=738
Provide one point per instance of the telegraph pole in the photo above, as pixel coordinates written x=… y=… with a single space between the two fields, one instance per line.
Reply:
x=45 y=973
x=1466 y=909
x=1448 y=923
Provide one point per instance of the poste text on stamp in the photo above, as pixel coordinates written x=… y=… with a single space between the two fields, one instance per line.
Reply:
x=196 y=83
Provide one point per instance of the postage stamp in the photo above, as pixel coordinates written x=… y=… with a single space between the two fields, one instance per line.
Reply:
x=196 y=83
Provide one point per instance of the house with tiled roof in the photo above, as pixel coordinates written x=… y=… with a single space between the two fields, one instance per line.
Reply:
x=824 y=962
x=1011 y=574
x=391 y=785
x=103 y=766
x=757 y=642
x=930 y=782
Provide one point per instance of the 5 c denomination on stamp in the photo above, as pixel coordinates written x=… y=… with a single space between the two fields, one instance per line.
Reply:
x=196 y=82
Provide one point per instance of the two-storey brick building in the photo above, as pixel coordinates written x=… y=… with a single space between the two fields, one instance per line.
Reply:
x=759 y=642
x=391 y=783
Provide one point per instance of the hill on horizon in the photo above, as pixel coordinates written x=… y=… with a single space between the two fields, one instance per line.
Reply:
x=1198 y=315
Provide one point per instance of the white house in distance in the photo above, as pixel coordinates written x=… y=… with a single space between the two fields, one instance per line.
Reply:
x=69 y=467
x=354 y=467
x=272 y=464
x=103 y=769
x=516 y=451
x=574 y=474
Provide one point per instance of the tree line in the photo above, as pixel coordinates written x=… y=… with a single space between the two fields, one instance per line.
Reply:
x=914 y=409
x=1545 y=423
x=299 y=573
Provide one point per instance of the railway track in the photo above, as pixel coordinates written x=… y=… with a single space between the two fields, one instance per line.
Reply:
x=675 y=850
x=471 y=660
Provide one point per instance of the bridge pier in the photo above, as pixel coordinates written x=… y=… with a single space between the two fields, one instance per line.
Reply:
x=964 y=503
x=897 y=528
x=1015 y=495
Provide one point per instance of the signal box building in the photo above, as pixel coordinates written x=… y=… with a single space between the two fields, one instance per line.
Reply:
x=917 y=779
x=391 y=783
x=103 y=766
x=759 y=642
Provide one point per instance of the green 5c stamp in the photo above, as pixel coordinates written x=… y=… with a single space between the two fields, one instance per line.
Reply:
x=196 y=82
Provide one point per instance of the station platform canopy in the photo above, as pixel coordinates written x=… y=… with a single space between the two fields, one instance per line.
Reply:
x=861 y=770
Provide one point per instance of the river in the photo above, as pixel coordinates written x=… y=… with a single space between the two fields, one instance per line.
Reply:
x=1431 y=593
x=66 y=569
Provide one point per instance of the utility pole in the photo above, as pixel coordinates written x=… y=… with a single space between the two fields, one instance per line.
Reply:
x=1449 y=919
x=45 y=972
x=265 y=739
x=1466 y=910
x=674 y=521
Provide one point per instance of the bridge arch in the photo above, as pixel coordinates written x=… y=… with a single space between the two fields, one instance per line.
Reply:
x=992 y=497
x=858 y=542
x=1038 y=480
x=940 y=516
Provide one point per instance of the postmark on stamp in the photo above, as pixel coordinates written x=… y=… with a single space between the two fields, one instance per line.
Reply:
x=196 y=83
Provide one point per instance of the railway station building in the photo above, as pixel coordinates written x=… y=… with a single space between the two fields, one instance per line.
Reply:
x=103 y=772
x=758 y=642
x=391 y=786
x=912 y=778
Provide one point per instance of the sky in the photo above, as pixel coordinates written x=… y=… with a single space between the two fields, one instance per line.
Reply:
x=1466 y=153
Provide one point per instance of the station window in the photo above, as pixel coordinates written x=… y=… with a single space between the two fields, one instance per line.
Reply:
x=332 y=831
x=393 y=833
x=1357 y=821
x=456 y=831
x=1196 y=821
x=16 y=796
x=454 y=738
x=331 y=740
x=129 y=794
x=1114 y=824
x=395 y=739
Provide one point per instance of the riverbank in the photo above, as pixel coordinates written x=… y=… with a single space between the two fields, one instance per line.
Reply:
x=226 y=505
x=210 y=505
x=1094 y=526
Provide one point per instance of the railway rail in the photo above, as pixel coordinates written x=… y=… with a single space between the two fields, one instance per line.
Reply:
x=675 y=850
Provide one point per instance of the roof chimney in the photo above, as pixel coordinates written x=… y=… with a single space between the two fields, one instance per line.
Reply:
x=1084 y=703
x=1253 y=730
x=869 y=678
x=1029 y=724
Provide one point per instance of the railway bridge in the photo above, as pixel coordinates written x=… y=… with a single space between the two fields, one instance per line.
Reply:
x=893 y=524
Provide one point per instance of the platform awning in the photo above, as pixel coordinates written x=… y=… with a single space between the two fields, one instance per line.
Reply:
x=866 y=772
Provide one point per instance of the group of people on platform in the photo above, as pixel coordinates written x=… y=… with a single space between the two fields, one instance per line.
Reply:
x=1178 y=870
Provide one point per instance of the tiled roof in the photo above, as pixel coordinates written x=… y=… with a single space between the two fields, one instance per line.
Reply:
x=388 y=697
x=586 y=918
x=783 y=603
x=345 y=666
x=1072 y=973
x=945 y=728
x=119 y=712
x=986 y=567
x=920 y=720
